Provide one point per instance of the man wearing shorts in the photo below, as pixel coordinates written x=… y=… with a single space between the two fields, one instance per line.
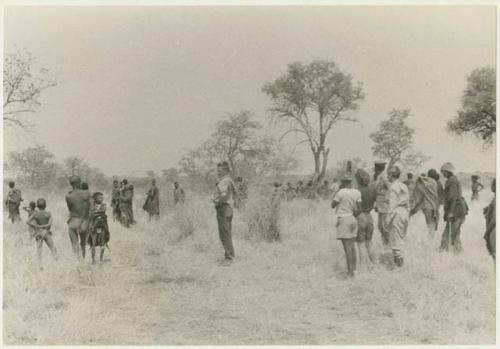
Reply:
x=347 y=202
x=398 y=214
x=365 y=219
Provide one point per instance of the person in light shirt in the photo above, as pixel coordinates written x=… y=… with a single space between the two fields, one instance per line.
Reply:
x=347 y=205
x=223 y=199
x=398 y=211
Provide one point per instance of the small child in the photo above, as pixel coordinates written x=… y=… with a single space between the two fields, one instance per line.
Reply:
x=98 y=223
x=30 y=209
x=41 y=222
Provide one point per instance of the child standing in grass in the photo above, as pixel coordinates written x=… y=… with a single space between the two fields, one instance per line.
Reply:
x=41 y=222
x=98 y=226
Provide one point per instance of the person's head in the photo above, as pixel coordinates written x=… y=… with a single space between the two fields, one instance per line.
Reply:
x=394 y=173
x=346 y=181
x=12 y=185
x=85 y=186
x=409 y=175
x=494 y=185
x=239 y=179
x=475 y=178
x=98 y=197
x=309 y=184
x=176 y=185
x=288 y=184
x=300 y=183
x=432 y=173
x=222 y=168
x=379 y=167
x=75 y=182
x=326 y=183
x=153 y=181
x=32 y=205
x=362 y=177
x=124 y=181
x=41 y=204
x=447 y=170
x=115 y=183
x=131 y=187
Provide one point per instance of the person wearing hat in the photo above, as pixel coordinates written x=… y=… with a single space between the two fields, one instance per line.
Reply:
x=455 y=209
x=115 y=200
x=476 y=188
x=398 y=211
x=78 y=202
x=222 y=200
x=347 y=205
x=364 y=219
x=381 y=185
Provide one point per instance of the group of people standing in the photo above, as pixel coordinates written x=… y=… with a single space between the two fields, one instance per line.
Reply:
x=309 y=191
x=122 y=197
x=395 y=201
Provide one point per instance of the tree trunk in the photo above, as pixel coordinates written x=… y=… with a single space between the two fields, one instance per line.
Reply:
x=323 y=166
x=317 y=165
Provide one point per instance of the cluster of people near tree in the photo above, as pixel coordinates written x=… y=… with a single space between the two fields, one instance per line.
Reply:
x=393 y=200
x=310 y=191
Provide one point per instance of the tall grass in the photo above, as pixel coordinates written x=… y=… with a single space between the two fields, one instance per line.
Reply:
x=162 y=284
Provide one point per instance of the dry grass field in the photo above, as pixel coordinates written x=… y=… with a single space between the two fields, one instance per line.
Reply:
x=163 y=284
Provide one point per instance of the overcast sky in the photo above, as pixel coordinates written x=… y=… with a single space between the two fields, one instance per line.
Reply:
x=138 y=86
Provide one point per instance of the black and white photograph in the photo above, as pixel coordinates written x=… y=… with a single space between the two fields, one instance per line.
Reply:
x=249 y=173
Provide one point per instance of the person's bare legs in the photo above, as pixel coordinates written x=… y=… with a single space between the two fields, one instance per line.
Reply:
x=51 y=245
x=101 y=257
x=39 y=247
x=350 y=254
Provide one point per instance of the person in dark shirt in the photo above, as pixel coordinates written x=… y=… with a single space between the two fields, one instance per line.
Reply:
x=455 y=210
x=365 y=219
x=41 y=222
x=490 y=217
x=476 y=188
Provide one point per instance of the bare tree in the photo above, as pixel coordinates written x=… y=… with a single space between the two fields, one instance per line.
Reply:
x=311 y=99
x=478 y=113
x=22 y=87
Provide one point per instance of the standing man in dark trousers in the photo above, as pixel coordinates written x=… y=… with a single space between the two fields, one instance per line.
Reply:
x=455 y=210
x=78 y=202
x=222 y=201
